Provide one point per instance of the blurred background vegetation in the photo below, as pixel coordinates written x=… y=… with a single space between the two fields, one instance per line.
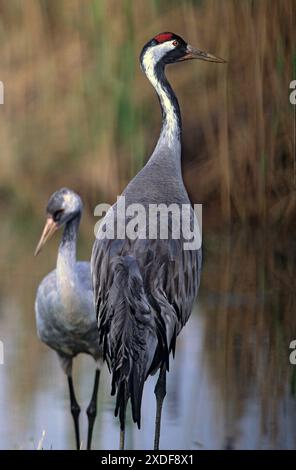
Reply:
x=79 y=112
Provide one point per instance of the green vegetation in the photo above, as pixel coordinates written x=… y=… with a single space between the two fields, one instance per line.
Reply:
x=79 y=112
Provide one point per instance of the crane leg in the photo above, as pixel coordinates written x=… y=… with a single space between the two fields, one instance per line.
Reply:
x=92 y=409
x=122 y=438
x=160 y=393
x=122 y=415
x=75 y=410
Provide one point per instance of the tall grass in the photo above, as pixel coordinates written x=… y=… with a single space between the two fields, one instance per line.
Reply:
x=79 y=112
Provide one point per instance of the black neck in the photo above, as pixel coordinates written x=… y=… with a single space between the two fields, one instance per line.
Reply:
x=166 y=87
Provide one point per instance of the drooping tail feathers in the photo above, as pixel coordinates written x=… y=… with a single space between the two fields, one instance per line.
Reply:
x=130 y=345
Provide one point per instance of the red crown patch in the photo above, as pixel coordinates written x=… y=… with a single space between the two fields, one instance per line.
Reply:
x=163 y=37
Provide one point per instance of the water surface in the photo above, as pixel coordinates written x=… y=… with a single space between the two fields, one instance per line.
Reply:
x=230 y=385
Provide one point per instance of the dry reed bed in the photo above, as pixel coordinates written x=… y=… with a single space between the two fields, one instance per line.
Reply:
x=79 y=111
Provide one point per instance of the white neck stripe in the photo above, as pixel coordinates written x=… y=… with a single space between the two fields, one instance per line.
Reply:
x=170 y=130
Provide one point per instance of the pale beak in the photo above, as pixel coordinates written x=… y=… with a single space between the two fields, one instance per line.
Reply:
x=193 y=53
x=50 y=227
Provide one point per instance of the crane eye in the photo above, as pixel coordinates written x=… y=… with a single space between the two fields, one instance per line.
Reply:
x=175 y=43
x=58 y=214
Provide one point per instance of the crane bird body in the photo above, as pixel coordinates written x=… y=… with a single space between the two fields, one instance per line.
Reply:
x=64 y=308
x=144 y=289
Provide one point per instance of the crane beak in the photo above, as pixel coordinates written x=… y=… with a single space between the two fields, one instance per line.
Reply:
x=192 y=53
x=50 y=227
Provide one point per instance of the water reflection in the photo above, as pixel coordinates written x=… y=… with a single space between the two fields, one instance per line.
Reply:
x=230 y=386
x=249 y=302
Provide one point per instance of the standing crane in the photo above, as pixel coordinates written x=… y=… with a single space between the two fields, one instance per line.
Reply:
x=64 y=307
x=144 y=288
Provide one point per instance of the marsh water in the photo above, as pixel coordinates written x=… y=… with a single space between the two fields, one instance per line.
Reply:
x=230 y=386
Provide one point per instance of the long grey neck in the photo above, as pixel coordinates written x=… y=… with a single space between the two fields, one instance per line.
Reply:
x=66 y=261
x=169 y=142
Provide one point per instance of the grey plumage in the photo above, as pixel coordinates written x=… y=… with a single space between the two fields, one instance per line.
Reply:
x=144 y=289
x=143 y=303
x=68 y=333
x=64 y=306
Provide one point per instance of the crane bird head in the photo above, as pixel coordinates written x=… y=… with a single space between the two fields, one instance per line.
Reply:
x=168 y=48
x=63 y=206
